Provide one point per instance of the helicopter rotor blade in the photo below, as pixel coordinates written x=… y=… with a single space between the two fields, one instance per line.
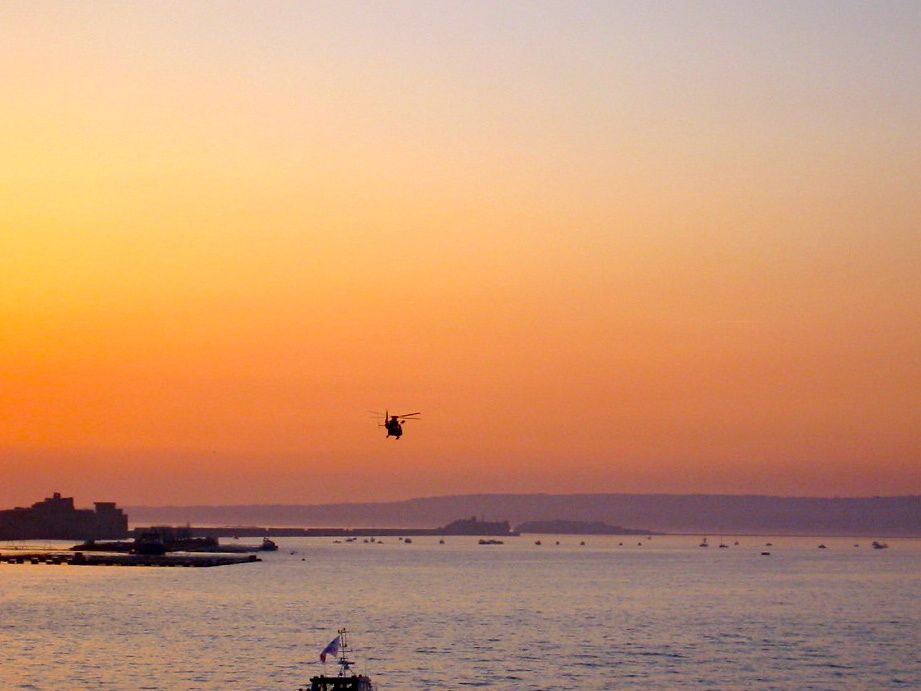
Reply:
x=405 y=415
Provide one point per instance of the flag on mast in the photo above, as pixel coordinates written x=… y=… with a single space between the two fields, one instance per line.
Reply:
x=331 y=649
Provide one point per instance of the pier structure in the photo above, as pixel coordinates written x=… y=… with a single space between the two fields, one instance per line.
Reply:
x=56 y=558
x=470 y=526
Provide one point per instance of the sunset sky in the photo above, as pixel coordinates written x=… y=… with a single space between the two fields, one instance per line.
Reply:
x=603 y=247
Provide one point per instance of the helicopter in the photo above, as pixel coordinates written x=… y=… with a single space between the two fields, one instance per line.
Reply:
x=394 y=423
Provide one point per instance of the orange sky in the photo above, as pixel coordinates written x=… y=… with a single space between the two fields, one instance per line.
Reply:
x=602 y=248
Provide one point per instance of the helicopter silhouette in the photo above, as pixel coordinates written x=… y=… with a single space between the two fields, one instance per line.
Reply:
x=394 y=423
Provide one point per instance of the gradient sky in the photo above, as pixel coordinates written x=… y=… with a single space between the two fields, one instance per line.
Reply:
x=618 y=247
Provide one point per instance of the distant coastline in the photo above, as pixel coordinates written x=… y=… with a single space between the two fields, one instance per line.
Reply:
x=560 y=527
x=457 y=528
x=667 y=513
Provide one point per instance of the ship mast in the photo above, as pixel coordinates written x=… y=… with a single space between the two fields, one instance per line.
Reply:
x=344 y=662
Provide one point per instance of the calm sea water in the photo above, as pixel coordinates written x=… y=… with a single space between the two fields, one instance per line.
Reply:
x=666 y=614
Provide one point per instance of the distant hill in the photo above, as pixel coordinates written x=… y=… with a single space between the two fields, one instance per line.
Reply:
x=693 y=513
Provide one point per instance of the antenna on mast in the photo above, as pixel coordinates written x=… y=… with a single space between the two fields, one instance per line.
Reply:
x=344 y=663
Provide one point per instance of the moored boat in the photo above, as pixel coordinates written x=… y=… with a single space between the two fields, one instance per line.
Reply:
x=345 y=680
x=268 y=545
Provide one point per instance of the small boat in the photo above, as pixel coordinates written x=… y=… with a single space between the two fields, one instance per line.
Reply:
x=537 y=542
x=267 y=545
x=822 y=546
x=407 y=541
x=345 y=680
x=491 y=542
x=879 y=545
x=703 y=543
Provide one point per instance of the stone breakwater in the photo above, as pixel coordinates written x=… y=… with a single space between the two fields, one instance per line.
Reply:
x=81 y=559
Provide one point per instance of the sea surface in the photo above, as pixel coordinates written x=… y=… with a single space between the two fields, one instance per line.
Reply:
x=659 y=613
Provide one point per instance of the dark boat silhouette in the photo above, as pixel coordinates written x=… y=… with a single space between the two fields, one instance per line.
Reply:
x=345 y=680
x=268 y=545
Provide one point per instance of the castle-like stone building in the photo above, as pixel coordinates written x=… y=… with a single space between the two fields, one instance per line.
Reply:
x=55 y=518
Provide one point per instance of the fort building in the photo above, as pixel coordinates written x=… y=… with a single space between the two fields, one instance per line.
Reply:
x=56 y=518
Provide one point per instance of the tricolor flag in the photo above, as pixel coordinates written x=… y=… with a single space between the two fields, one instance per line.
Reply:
x=331 y=649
